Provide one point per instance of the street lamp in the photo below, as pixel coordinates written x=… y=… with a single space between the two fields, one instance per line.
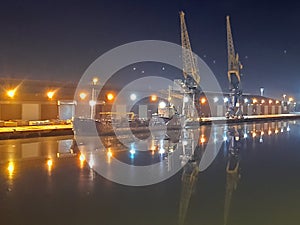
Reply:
x=50 y=94
x=11 y=93
x=110 y=96
x=133 y=97
x=262 y=91
x=153 y=98
x=82 y=95
x=284 y=96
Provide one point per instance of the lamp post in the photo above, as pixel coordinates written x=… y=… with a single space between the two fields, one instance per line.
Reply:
x=93 y=101
x=262 y=91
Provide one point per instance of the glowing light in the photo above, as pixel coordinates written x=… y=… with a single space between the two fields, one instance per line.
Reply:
x=110 y=96
x=185 y=99
x=82 y=158
x=288 y=128
x=246 y=100
x=50 y=94
x=91 y=162
x=237 y=138
x=225 y=138
x=277 y=102
x=253 y=134
x=269 y=132
x=132 y=151
x=203 y=100
x=254 y=100
x=49 y=162
x=162 y=105
x=291 y=99
x=270 y=101
x=202 y=139
x=11 y=168
x=82 y=95
x=226 y=99
x=216 y=99
x=92 y=102
x=276 y=131
x=262 y=133
x=109 y=154
x=262 y=101
x=133 y=97
x=95 y=80
x=11 y=93
x=153 y=98
x=245 y=135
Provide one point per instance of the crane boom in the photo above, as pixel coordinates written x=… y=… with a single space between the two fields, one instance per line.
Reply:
x=234 y=78
x=190 y=67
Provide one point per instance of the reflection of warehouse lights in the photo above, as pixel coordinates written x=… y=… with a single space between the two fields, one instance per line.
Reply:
x=162 y=105
x=276 y=131
x=202 y=139
x=262 y=133
x=91 y=162
x=132 y=150
x=269 y=132
x=245 y=135
x=226 y=99
x=224 y=138
x=81 y=158
x=161 y=145
x=254 y=100
x=49 y=163
x=288 y=128
x=277 y=102
x=237 y=138
x=216 y=99
x=253 y=134
x=262 y=101
x=11 y=168
x=133 y=97
x=261 y=139
x=246 y=100
x=270 y=101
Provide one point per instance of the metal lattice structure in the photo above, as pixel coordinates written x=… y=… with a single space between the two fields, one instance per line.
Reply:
x=190 y=73
x=234 y=77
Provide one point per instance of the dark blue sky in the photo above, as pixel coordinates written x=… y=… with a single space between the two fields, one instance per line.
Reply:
x=57 y=40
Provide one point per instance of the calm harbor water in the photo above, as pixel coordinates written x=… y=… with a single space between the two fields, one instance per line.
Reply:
x=253 y=179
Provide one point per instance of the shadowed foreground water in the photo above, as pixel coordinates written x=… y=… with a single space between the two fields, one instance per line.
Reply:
x=254 y=179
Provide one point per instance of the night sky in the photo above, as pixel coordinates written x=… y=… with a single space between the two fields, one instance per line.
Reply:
x=58 y=40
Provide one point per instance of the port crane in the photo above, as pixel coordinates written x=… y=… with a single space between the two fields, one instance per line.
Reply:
x=234 y=77
x=191 y=75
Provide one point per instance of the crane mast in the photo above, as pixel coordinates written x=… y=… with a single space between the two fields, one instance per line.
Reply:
x=190 y=72
x=234 y=78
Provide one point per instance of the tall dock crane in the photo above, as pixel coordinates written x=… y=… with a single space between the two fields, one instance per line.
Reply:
x=234 y=77
x=190 y=73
